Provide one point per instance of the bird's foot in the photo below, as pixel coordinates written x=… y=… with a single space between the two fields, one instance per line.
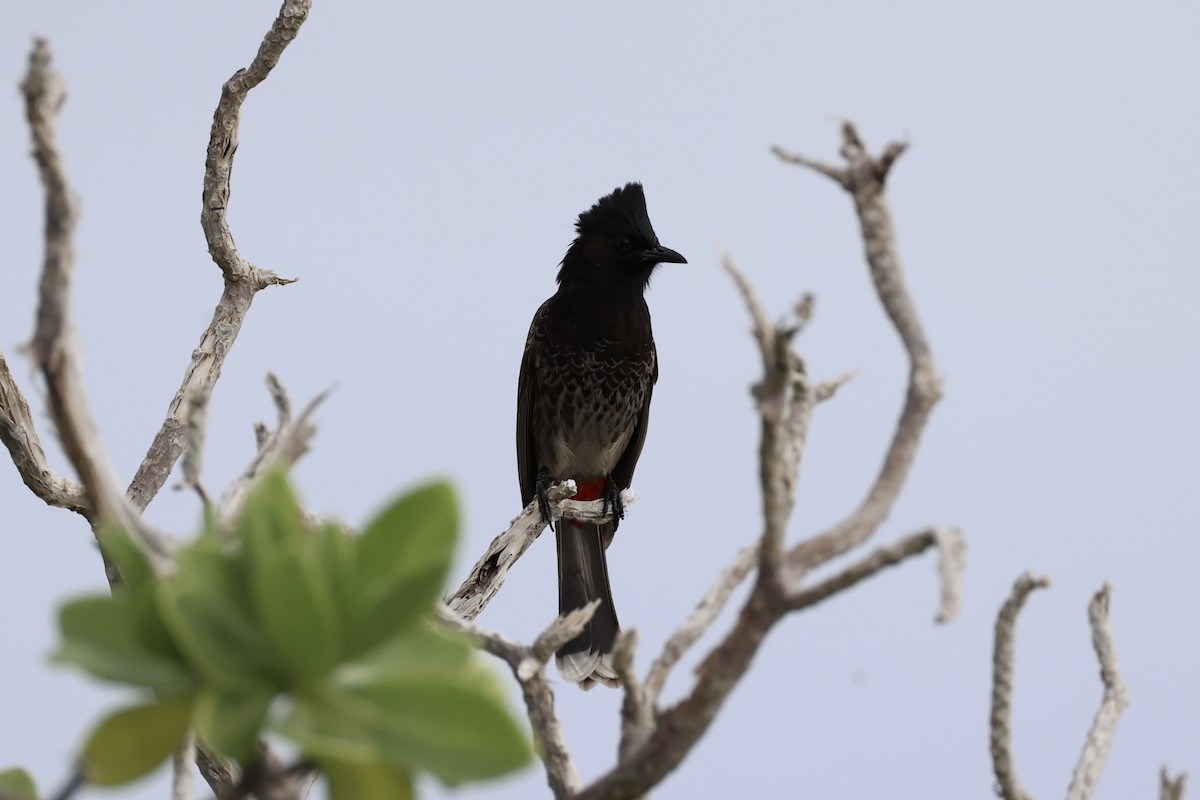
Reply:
x=541 y=489
x=613 y=502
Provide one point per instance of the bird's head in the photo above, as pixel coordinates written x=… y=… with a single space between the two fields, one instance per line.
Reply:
x=616 y=243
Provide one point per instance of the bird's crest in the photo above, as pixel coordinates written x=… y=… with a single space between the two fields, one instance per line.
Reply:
x=621 y=213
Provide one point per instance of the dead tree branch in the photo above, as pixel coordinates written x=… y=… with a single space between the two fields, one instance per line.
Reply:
x=19 y=436
x=864 y=178
x=242 y=279
x=282 y=446
x=528 y=664
x=1115 y=701
x=490 y=571
x=100 y=497
x=785 y=401
x=1171 y=788
x=950 y=545
x=54 y=348
x=1003 y=656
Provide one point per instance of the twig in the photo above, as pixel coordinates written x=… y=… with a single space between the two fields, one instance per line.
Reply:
x=19 y=435
x=825 y=390
x=952 y=562
x=864 y=177
x=760 y=322
x=637 y=721
x=1171 y=788
x=54 y=348
x=528 y=664
x=698 y=621
x=282 y=446
x=73 y=784
x=488 y=574
x=193 y=456
x=950 y=566
x=1002 y=686
x=242 y=279
x=785 y=404
x=1116 y=699
x=183 y=765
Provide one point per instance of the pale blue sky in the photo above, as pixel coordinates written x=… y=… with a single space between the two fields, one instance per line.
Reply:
x=419 y=167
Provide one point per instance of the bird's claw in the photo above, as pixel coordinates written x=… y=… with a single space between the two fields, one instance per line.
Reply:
x=541 y=490
x=613 y=503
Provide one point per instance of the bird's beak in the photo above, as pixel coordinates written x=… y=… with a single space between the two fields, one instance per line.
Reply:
x=662 y=255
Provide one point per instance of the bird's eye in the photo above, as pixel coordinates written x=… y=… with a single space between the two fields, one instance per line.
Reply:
x=624 y=244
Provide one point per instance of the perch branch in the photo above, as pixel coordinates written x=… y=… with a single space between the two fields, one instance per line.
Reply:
x=242 y=279
x=488 y=574
x=1104 y=726
x=1002 y=686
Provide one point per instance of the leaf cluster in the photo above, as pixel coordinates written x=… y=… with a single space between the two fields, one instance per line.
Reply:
x=301 y=630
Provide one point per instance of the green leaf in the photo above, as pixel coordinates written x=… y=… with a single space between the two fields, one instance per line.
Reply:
x=339 y=556
x=206 y=606
x=350 y=780
x=130 y=560
x=18 y=784
x=134 y=741
x=291 y=591
x=99 y=634
x=425 y=704
x=404 y=555
x=231 y=723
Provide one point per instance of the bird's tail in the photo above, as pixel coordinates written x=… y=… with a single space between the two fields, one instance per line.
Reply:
x=582 y=578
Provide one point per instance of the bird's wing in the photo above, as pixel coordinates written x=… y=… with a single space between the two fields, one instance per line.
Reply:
x=622 y=473
x=527 y=467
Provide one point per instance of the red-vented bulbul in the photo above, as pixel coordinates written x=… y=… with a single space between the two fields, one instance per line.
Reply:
x=583 y=402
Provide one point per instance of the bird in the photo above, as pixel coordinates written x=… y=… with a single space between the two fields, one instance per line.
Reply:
x=583 y=405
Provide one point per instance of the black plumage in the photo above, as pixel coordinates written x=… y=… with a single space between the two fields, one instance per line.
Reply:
x=583 y=402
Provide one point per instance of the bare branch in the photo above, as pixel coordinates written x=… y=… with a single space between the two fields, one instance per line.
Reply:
x=54 y=348
x=678 y=728
x=864 y=178
x=74 y=783
x=562 y=630
x=817 y=166
x=242 y=279
x=1116 y=699
x=528 y=665
x=825 y=390
x=1171 y=788
x=952 y=562
x=183 y=765
x=193 y=456
x=637 y=720
x=785 y=403
x=698 y=621
x=19 y=436
x=282 y=446
x=488 y=574
x=1002 y=686
x=950 y=566
x=762 y=328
